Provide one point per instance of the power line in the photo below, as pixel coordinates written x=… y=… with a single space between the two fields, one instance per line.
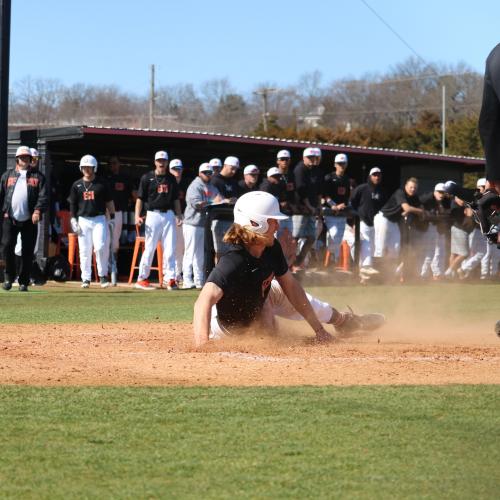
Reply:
x=381 y=19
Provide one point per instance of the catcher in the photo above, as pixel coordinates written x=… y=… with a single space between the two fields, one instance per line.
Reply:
x=251 y=283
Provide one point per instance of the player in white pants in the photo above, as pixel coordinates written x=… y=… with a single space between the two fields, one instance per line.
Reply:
x=251 y=283
x=90 y=197
x=159 y=190
x=199 y=195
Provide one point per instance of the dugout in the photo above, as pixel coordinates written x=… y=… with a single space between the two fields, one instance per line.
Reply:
x=61 y=149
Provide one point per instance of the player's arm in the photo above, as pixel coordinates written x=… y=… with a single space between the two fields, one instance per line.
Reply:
x=408 y=209
x=138 y=211
x=209 y=296
x=298 y=298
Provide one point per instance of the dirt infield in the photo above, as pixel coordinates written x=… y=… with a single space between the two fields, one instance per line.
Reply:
x=158 y=354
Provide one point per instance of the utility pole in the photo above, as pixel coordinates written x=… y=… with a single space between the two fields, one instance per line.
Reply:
x=152 y=97
x=443 y=121
x=264 y=92
x=4 y=79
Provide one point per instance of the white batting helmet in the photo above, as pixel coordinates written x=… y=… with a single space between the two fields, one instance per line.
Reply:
x=88 y=161
x=253 y=209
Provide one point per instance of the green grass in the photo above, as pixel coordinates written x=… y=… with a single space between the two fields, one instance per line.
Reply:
x=69 y=305
x=303 y=442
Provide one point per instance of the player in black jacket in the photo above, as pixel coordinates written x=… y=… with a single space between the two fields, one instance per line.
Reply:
x=367 y=199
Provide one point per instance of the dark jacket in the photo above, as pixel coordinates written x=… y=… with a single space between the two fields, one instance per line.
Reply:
x=37 y=191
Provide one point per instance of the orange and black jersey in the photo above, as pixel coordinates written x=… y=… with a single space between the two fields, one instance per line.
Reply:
x=245 y=281
x=337 y=188
x=159 y=192
x=89 y=198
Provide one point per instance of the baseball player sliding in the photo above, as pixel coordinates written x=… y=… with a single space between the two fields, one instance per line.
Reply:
x=251 y=283
x=89 y=199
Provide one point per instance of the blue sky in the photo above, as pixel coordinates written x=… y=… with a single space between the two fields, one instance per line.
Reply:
x=249 y=42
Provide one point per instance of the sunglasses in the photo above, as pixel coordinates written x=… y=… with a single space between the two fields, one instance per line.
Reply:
x=207 y=172
x=283 y=159
x=376 y=174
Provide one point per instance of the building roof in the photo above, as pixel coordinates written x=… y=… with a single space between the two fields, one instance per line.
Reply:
x=66 y=132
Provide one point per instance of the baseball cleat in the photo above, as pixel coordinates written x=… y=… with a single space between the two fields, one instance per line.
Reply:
x=104 y=282
x=354 y=323
x=188 y=286
x=368 y=271
x=7 y=285
x=497 y=328
x=172 y=285
x=86 y=284
x=23 y=288
x=144 y=285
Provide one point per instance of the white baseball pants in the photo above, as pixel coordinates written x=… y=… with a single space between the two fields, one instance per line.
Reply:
x=367 y=247
x=277 y=304
x=335 y=227
x=194 y=255
x=477 y=245
x=490 y=261
x=179 y=251
x=94 y=237
x=160 y=227
x=387 y=237
x=433 y=252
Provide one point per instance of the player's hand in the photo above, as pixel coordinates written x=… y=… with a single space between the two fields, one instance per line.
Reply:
x=323 y=336
x=179 y=219
x=35 y=218
x=139 y=220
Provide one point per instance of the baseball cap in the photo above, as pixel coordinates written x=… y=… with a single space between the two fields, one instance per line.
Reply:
x=273 y=171
x=215 y=162
x=481 y=182
x=341 y=158
x=34 y=152
x=311 y=152
x=177 y=164
x=284 y=153
x=205 y=167
x=375 y=170
x=23 y=151
x=440 y=187
x=251 y=169
x=232 y=161
x=161 y=155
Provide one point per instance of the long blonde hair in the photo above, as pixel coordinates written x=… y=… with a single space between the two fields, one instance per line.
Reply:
x=239 y=235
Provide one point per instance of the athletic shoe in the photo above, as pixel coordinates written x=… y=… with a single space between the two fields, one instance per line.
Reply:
x=7 y=285
x=23 y=288
x=144 y=285
x=188 y=286
x=104 y=282
x=172 y=285
x=86 y=284
x=463 y=275
x=368 y=270
x=198 y=286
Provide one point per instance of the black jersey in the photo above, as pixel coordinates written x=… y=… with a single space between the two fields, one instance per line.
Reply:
x=392 y=210
x=439 y=211
x=120 y=190
x=244 y=189
x=308 y=182
x=245 y=281
x=158 y=191
x=89 y=198
x=227 y=186
x=337 y=188
x=279 y=191
x=367 y=199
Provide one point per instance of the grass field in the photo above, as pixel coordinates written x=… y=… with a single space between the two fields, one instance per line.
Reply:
x=301 y=442
x=357 y=442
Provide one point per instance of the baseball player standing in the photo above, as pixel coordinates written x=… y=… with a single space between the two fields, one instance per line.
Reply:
x=336 y=191
x=23 y=200
x=200 y=194
x=159 y=190
x=308 y=182
x=121 y=191
x=251 y=284
x=367 y=199
x=89 y=199
x=227 y=186
x=250 y=179
x=176 y=168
